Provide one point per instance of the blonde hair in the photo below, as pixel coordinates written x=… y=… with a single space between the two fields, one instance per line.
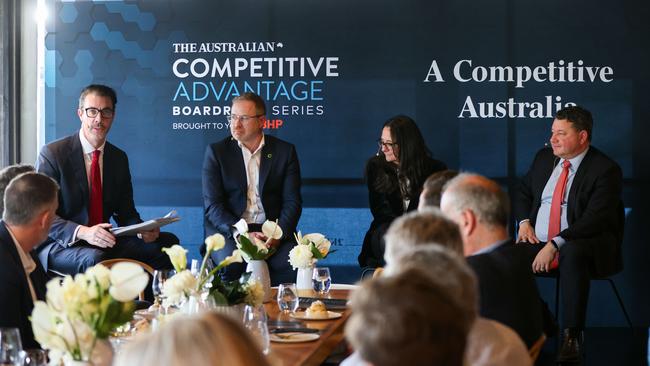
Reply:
x=209 y=339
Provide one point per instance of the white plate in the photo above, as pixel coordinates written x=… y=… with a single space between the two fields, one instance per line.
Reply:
x=303 y=315
x=294 y=337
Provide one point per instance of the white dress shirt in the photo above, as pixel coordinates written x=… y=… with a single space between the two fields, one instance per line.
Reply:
x=254 y=212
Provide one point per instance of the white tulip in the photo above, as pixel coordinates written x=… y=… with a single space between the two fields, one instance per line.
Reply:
x=178 y=256
x=101 y=274
x=127 y=281
x=320 y=241
x=214 y=242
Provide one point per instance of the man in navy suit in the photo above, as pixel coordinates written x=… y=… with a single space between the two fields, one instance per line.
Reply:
x=30 y=203
x=248 y=178
x=589 y=217
x=95 y=183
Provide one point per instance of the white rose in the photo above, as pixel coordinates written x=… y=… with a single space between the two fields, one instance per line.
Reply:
x=127 y=281
x=178 y=256
x=301 y=256
x=214 y=242
x=272 y=230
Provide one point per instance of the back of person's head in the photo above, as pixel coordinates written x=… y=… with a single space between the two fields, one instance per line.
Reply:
x=444 y=267
x=407 y=319
x=204 y=340
x=579 y=117
x=27 y=196
x=421 y=228
x=6 y=175
x=432 y=188
x=483 y=196
x=260 y=106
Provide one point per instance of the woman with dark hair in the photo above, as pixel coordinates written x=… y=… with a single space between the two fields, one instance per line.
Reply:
x=395 y=177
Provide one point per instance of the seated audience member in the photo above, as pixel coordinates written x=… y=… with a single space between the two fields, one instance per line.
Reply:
x=394 y=178
x=507 y=290
x=6 y=175
x=209 y=339
x=407 y=319
x=489 y=342
x=95 y=186
x=248 y=178
x=432 y=189
x=30 y=202
x=570 y=211
x=418 y=228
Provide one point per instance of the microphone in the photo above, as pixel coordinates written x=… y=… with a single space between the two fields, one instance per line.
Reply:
x=546 y=144
x=378 y=152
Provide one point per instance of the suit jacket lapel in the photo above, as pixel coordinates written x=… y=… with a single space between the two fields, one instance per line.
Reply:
x=577 y=181
x=79 y=166
x=238 y=167
x=266 y=160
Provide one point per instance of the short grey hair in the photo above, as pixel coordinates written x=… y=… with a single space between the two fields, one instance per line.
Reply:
x=482 y=196
x=26 y=196
x=421 y=227
x=444 y=267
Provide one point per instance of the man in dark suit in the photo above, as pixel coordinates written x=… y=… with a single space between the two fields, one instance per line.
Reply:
x=95 y=183
x=507 y=289
x=30 y=202
x=249 y=178
x=569 y=206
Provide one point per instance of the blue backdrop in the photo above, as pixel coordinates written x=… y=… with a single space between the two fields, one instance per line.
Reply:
x=334 y=71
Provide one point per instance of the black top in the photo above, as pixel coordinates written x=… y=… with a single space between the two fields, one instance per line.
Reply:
x=386 y=206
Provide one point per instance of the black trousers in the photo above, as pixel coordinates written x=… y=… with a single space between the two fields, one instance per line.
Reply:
x=576 y=258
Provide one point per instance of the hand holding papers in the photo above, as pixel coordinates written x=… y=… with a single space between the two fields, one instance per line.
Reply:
x=146 y=225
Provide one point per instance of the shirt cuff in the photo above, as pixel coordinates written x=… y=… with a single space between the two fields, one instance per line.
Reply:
x=241 y=227
x=522 y=221
x=74 y=236
x=559 y=241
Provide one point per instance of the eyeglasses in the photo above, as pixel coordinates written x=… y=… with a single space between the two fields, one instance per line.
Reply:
x=243 y=119
x=382 y=144
x=93 y=112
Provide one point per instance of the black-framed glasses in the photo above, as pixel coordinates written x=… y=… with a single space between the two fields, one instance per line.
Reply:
x=93 y=112
x=382 y=144
x=244 y=119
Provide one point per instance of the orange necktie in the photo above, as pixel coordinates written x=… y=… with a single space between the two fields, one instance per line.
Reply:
x=95 y=209
x=556 y=208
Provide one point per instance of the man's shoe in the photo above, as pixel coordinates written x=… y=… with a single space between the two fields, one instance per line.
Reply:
x=571 y=349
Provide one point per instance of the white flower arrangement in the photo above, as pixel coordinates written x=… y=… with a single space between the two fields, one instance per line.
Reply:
x=183 y=284
x=85 y=308
x=256 y=249
x=309 y=250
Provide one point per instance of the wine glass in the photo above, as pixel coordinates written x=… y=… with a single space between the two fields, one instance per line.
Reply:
x=158 y=283
x=33 y=357
x=321 y=280
x=255 y=321
x=288 y=300
x=10 y=347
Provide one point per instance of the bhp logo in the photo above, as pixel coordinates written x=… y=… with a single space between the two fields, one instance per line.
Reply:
x=273 y=123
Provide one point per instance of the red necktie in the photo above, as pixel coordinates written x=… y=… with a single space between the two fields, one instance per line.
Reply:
x=95 y=210
x=556 y=207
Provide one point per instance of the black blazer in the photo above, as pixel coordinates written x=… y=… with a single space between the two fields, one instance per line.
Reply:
x=595 y=211
x=224 y=185
x=508 y=291
x=386 y=207
x=63 y=161
x=16 y=303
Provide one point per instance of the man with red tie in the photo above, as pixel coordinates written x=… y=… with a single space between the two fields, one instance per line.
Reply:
x=95 y=183
x=569 y=207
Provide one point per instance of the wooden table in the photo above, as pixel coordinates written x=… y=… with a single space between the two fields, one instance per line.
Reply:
x=309 y=353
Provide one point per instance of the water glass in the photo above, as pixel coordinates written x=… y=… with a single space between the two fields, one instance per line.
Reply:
x=34 y=357
x=10 y=347
x=321 y=280
x=288 y=300
x=158 y=283
x=255 y=321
